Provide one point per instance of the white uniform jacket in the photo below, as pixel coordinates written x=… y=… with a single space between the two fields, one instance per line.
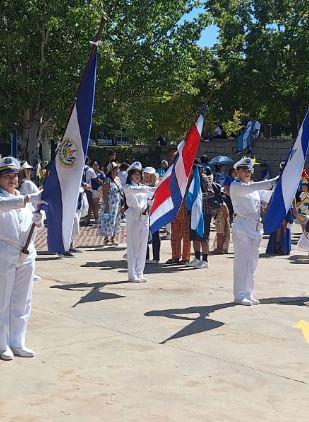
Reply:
x=246 y=199
x=15 y=224
x=137 y=197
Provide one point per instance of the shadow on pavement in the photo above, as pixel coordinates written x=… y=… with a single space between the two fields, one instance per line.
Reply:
x=296 y=300
x=299 y=259
x=198 y=325
x=161 y=269
x=95 y=294
x=106 y=265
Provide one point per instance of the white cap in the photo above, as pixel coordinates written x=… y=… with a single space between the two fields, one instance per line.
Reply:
x=10 y=164
x=149 y=170
x=136 y=166
x=246 y=163
x=26 y=165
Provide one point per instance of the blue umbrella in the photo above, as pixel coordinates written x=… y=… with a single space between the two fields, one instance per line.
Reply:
x=221 y=160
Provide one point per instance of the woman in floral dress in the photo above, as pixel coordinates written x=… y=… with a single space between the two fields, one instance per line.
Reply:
x=109 y=221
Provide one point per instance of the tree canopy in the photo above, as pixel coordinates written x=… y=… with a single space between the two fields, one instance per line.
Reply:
x=152 y=74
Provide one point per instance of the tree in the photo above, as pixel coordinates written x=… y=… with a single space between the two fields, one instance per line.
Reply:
x=147 y=60
x=261 y=54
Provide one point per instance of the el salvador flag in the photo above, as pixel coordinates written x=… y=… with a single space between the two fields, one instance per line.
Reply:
x=61 y=188
x=289 y=180
x=194 y=203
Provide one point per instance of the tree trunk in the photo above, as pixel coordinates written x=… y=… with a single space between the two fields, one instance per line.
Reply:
x=294 y=117
x=31 y=134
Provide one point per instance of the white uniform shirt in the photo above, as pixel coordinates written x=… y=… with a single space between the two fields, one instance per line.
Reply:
x=137 y=196
x=246 y=199
x=27 y=187
x=123 y=174
x=15 y=224
x=90 y=174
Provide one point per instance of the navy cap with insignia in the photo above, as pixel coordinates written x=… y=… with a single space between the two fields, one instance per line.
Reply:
x=9 y=165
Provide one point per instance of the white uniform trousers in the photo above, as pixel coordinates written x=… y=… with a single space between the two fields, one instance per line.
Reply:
x=246 y=256
x=137 y=227
x=16 y=281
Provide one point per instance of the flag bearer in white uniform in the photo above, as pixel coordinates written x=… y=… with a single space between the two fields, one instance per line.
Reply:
x=16 y=267
x=247 y=198
x=137 y=222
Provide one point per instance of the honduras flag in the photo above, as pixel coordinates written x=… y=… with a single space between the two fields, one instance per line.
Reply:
x=61 y=188
x=194 y=203
x=244 y=139
x=289 y=180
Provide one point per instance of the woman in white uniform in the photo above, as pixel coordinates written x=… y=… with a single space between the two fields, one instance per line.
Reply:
x=247 y=198
x=17 y=268
x=137 y=222
x=26 y=185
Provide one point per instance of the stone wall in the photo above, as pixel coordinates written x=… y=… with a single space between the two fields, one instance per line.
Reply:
x=270 y=151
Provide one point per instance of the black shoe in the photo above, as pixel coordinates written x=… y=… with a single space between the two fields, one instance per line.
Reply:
x=68 y=255
x=75 y=250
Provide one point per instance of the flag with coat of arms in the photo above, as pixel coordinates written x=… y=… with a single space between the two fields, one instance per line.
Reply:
x=61 y=189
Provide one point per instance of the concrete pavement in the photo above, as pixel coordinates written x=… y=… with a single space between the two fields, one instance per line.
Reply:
x=173 y=349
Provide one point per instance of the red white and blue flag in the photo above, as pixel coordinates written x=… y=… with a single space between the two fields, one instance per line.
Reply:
x=171 y=191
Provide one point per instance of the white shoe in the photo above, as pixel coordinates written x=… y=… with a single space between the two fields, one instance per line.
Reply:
x=193 y=263
x=36 y=277
x=244 y=301
x=133 y=280
x=7 y=354
x=141 y=279
x=24 y=352
x=202 y=264
x=254 y=301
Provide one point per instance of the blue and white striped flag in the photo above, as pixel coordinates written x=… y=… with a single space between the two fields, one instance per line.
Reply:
x=289 y=180
x=244 y=139
x=61 y=188
x=194 y=203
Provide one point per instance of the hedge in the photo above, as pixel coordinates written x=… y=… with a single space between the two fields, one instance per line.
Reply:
x=150 y=157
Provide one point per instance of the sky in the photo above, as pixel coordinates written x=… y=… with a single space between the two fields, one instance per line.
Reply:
x=209 y=34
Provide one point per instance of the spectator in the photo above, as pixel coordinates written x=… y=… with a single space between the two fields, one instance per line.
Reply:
x=218 y=175
x=205 y=162
x=150 y=179
x=111 y=159
x=123 y=173
x=90 y=177
x=25 y=183
x=217 y=131
x=110 y=208
x=255 y=127
x=162 y=170
x=265 y=175
x=161 y=141
x=229 y=179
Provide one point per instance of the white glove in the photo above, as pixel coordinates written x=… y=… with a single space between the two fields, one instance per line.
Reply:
x=37 y=219
x=35 y=199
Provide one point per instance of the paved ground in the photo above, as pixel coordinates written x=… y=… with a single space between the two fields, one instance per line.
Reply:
x=173 y=349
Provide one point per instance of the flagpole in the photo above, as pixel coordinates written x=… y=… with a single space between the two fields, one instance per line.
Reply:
x=91 y=53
